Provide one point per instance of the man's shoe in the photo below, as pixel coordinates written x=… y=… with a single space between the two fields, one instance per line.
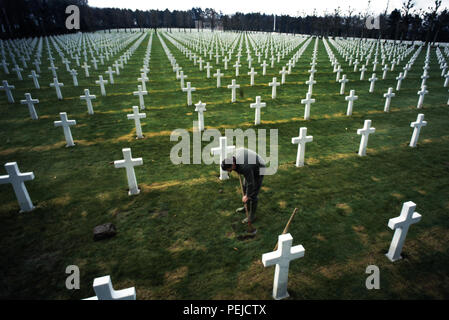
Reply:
x=240 y=210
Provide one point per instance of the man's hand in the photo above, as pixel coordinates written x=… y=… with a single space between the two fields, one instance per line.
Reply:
x=244 y=199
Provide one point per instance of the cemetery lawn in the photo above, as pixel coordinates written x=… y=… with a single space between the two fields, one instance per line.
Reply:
x=177 y=239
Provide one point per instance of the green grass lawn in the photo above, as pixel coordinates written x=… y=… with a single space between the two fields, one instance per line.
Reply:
x=178 y=238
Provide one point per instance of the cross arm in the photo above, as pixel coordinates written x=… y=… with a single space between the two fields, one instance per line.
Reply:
x=5 y=179
x=271 y=258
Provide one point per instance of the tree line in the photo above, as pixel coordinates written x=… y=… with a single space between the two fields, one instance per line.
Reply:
x=25 y=18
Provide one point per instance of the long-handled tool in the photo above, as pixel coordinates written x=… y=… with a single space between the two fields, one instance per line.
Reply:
x=251 y=229
x=287 y=226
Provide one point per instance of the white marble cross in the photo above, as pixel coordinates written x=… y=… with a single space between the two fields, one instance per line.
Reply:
x=65 y=124
x=17 y=179
x=290 y=64
x=208 y=67
x=400 y=77
x=57 y=85
x=424 y=77
x=281 y=258
x=312 y=71
x=5 y=66
x=218 y=75
x=264 y=68
x=365 y=132
x=301 y=141
x=338 y=70
x=217 y=56
x=145 y=68
x=37 y=64
x=343 y=81
x=421 y=94
x=8 y=89
x=110 y=72
x=257 y=105
x=129 y=163
x=310 y=82
x=446 y=80
x=384 y=69
x=86 y=69
x=307 y=101
x=388 y=97
x=67 y=64
x=18 y=70
x=401 y=224
x=356 y=63
x=177 y=68
x=233 y=86
x=417 y=128
x=351 y=98
x=140 y=93
x=443 y=69
x=77 y=59
x=237 y=65
x=104 y=291
x=88 y=97
x=406 y=69
x=273 y=86
x=53 y=70
x=102 y=82
x=34 y=76
x=272 y=59
x=200 y=108
x=362 y=72
x=74 y=73
x=223 y=150
x=143 y=79
x=94 y=61
x=252 y=73
x=283 y=72
x=181 y=77
x=116 y=65
x=373 y=79
x=30 y=102
x=225 y=60
x=189 y=90
x=136 y=116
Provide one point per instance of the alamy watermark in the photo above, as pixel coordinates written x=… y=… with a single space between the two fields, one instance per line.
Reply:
x=72 y=21
x=372 y=22
x=373 y=281
x=181 y=152
x=72 y=281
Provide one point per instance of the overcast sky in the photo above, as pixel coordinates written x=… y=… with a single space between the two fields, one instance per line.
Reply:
x=291 y=7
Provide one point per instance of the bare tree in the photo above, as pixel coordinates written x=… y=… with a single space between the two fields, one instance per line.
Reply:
x=384 y=18
x=363 y=22
x=407 y=6
x=431 y=20
x=349 y=21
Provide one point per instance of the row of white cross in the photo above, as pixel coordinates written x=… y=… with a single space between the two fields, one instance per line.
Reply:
x=285 y=253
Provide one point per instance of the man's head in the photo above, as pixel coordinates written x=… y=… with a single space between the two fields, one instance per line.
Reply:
x=228 y=164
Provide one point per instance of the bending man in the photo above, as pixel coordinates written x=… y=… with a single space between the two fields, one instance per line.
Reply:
x=251 y=166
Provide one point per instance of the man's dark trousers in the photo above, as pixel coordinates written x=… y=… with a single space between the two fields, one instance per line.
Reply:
x=251 y=204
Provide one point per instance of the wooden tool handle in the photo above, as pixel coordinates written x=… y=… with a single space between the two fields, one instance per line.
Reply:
x=250 y=227
x=287 y=226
